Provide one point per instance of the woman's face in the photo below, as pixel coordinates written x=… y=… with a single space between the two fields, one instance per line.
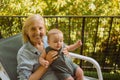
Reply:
x=36 y=31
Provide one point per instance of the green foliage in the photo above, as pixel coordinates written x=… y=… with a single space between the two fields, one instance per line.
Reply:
x=60 y=7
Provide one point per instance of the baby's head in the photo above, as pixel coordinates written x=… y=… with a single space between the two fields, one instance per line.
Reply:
x=55 y=39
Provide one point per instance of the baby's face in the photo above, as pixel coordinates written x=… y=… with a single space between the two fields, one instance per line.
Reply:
x=56 y=41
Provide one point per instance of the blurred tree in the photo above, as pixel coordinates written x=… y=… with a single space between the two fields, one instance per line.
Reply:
x=60 y=7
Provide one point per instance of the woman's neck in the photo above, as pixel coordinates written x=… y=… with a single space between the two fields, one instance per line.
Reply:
x=39 y=46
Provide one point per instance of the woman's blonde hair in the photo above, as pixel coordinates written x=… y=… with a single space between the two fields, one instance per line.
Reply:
x=29 y=21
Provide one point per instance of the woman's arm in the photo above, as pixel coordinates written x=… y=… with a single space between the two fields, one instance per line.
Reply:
x=52 y=55
x=38 y=73
x=42 y=60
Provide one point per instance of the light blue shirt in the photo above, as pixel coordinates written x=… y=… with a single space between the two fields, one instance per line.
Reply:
x=27 y=59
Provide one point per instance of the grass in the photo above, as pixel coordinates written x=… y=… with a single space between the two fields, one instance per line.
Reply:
x=106 y=76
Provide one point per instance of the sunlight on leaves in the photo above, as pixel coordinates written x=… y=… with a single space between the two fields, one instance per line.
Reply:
x=92 y=6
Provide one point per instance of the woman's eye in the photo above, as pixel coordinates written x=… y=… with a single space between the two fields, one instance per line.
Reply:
x=40 y=28
x=55 y=41
x=32 y=28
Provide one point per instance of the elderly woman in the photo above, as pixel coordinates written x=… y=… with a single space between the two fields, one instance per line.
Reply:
x=35 y=42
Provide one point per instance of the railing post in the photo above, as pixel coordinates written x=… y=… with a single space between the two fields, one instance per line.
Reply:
x=82 y=32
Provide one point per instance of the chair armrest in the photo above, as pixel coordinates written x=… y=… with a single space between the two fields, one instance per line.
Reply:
x=3 y=74
x=91 y=60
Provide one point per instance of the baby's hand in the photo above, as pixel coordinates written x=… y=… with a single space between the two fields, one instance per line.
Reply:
x=65 y=50
x=45 y=63
x=79 y=43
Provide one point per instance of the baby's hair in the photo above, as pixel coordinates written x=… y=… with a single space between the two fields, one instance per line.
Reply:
x=53 y=31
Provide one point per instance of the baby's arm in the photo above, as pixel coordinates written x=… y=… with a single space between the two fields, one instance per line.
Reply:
x=42 y=60
x=74 y=46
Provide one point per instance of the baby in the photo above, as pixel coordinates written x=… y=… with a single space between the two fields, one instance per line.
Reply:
x=63 y=66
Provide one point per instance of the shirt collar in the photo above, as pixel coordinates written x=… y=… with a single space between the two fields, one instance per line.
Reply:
x=32 y=48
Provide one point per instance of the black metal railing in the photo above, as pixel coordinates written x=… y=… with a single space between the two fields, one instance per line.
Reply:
x=100 y=36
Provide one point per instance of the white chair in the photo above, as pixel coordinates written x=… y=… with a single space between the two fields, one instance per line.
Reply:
x=92 y=61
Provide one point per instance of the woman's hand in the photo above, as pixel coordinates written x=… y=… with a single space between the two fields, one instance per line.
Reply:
x=51 y=56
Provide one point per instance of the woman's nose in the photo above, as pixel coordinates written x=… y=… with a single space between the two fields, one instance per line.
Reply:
x=38 y=31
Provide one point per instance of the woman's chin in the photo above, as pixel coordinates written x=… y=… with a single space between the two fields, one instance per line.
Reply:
x=37 y=40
